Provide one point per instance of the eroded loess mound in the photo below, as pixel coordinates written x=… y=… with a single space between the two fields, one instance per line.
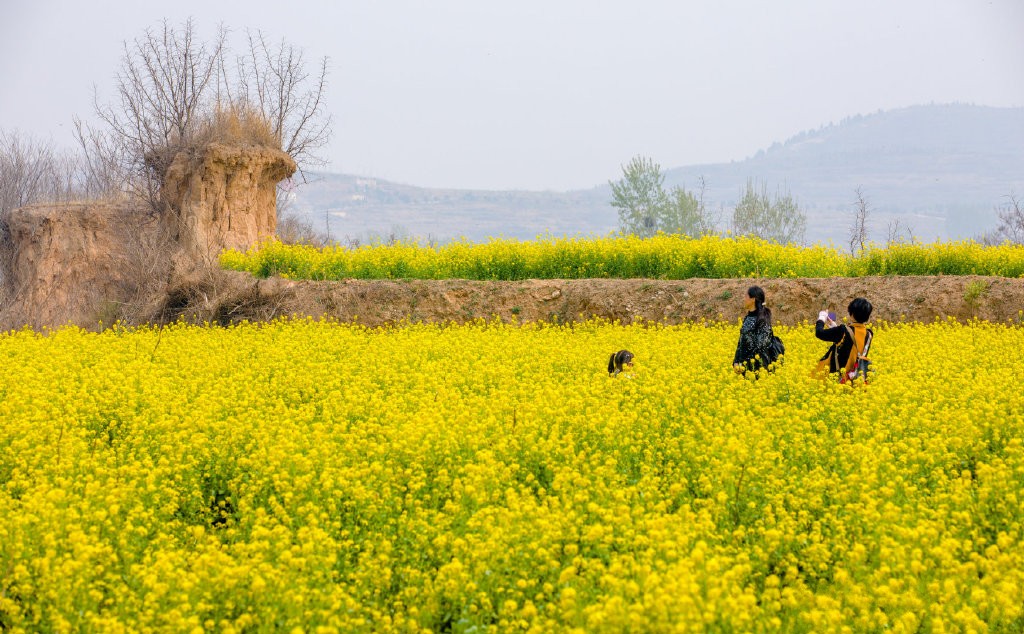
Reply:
x=94 y=262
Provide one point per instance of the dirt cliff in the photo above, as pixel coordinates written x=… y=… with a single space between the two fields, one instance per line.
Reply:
x=98 y=261
x=70 y=262
x=222 y=196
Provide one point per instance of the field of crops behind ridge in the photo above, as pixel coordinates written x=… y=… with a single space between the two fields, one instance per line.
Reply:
x=661 y=257
x=322 y=477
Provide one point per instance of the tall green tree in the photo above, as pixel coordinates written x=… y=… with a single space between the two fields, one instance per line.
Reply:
x=640 y=197
x=645 y=208
x=686 y=214
x=777 y=219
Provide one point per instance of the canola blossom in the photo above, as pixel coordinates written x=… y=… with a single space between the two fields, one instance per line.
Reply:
x=311 y=476
x=662 y=256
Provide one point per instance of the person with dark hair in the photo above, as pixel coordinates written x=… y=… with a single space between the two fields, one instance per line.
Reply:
x=619 y=361
x=851 y=343
x=755 y=348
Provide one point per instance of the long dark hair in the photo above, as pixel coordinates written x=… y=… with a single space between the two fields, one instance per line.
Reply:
x=618 y=360
x=764 y=313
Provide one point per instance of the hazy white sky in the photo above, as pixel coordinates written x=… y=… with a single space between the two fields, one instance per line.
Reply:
x=553 y=94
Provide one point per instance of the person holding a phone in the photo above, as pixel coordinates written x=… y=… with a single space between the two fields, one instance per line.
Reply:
x=846 y=339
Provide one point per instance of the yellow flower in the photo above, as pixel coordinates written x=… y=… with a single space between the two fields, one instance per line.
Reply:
x=463 y=476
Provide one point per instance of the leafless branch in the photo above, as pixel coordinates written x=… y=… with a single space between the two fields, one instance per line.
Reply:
x=859 y=229
x=898 y=233
x=163 y=91
x=33 y=171
x=172 y=88
x=1011 y=220
x=274 y=80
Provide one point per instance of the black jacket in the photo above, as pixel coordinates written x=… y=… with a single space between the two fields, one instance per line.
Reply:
x=839 y=336
x=755 y=340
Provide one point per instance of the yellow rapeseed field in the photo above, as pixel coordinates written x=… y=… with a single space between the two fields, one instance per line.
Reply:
x=306 y=476
x=661 y=256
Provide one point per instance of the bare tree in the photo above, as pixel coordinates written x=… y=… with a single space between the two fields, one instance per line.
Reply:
x=292 y=229
x=1011 y=220
x=173 y=90
x=100 y=162
x=273 y=80
x=859 y=230
x=163 y=89
x=898 y=234
x=32 y=171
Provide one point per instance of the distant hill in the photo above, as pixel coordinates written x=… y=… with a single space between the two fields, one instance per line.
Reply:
x=940 y=169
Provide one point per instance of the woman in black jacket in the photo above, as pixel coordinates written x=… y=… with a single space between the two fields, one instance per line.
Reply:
x=844 y=338
x=754 y=349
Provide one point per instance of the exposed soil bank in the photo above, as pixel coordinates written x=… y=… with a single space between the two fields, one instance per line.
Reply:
x=239 y=296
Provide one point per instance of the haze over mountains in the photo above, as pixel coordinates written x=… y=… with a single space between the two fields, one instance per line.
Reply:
x=941 y=170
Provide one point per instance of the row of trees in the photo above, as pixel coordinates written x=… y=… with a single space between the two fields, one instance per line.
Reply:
x=646 y=208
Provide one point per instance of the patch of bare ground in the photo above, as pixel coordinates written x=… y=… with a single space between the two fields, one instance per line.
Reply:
x=231 y=297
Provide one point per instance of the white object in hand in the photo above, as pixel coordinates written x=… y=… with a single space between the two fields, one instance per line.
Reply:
x=823 y=316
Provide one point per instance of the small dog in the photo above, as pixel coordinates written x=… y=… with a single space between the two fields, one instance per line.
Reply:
x=619 y=361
